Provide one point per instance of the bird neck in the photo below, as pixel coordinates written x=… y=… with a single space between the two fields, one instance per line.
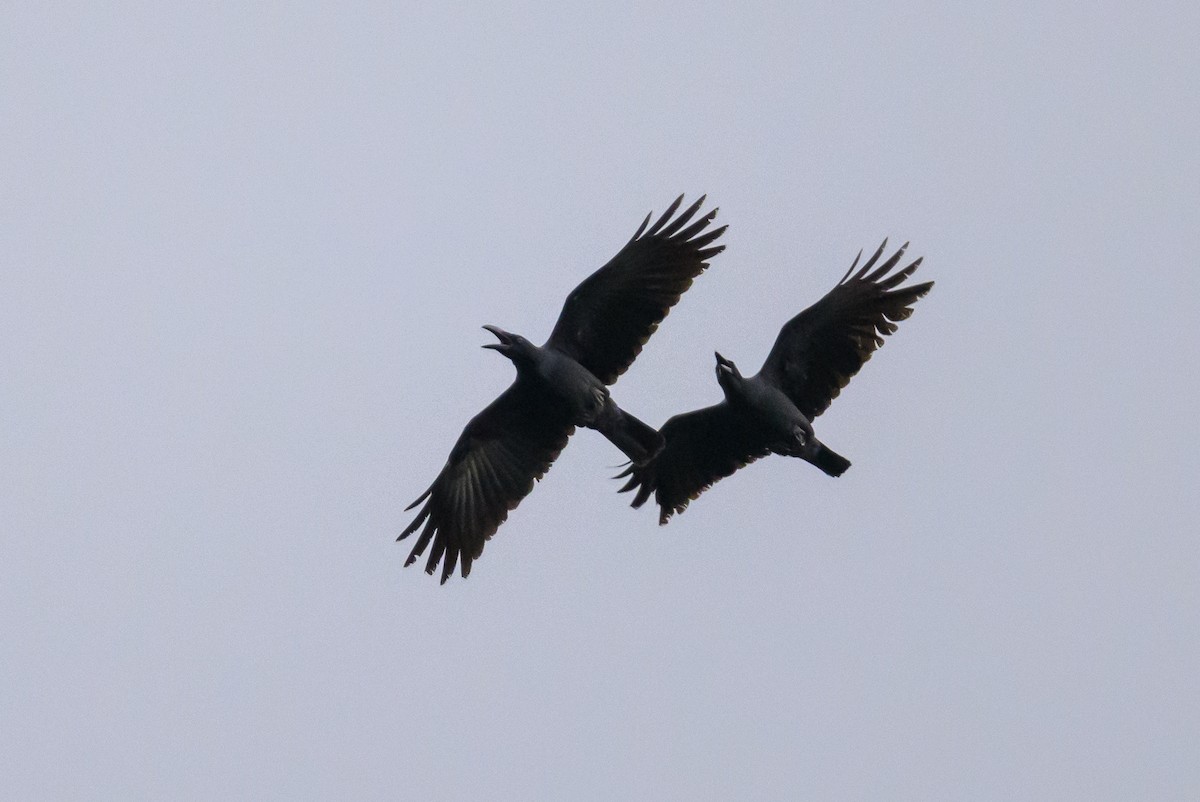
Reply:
x=526 y=358
x=733 y=387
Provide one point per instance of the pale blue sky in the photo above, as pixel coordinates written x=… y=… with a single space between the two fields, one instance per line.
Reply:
x=247 y=254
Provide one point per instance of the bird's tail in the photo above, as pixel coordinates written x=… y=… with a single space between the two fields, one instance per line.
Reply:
x=827 y=460
x=638 y=441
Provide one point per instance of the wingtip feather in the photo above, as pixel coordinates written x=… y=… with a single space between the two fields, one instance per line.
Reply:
x=642 y=227
x=682 y=220
x=871 y=262
x=420 y=498
x=853 y=265
x=665 y=217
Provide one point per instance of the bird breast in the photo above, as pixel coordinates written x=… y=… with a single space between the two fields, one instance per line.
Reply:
x=772 y=409
x=584 y=394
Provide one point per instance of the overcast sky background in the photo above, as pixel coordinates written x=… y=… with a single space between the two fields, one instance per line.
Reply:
x=246 y=255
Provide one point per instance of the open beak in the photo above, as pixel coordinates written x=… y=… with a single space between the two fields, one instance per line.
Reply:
x=503 y=336
x=723 y=364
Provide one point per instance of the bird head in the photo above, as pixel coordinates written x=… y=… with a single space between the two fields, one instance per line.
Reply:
x=727 y=372
x=511 y=345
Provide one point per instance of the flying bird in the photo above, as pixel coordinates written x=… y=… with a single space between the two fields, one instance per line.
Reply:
x=814 y=357
x=560 y=385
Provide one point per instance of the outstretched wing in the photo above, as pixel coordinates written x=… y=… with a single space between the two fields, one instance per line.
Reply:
x=819 y=350
x=702 y=447
x=607 y=319
x=498 y=457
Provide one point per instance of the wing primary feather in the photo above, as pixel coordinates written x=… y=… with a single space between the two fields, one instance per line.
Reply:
x=449 y=565
x=416 y=522
x=665 y=217
x=649 y=485
x=439 y=548
x=898 y=278
x=698 y=226
x=871 y=262
x=888 y=265
x=421 y=498
x=423 y=541
x=680 y=221
x=642 y=227
x=852 y=266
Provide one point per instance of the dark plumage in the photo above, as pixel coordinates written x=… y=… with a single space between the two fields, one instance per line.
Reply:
x=814 y=357
x=562 y=384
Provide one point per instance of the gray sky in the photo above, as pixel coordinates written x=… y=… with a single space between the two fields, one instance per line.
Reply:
x=247 y=254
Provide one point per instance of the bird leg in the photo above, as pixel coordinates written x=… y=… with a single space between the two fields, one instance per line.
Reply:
x=800 y=435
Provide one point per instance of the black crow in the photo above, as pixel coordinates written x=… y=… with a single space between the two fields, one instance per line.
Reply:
x=814 y=357
x=562 y=384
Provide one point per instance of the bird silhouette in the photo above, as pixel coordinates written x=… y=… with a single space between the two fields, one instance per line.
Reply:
x=560 y=385
x=814 y=357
